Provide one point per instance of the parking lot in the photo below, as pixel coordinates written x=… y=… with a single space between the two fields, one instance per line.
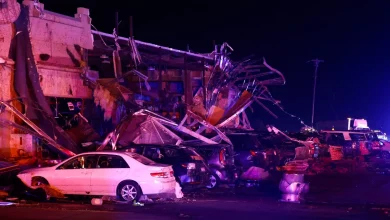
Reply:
x=330 y=197
x=225 y=203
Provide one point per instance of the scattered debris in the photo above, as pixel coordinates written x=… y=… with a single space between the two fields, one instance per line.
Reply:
x=3 y=194
x=255 y=173
x=52 y=192
x=97 y=201
x=135 y=203
x=6 y=203
x=178 y=192
x=181 y=215
x=292 y=186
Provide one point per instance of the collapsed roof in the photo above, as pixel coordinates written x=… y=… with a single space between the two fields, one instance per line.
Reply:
x=220 y=103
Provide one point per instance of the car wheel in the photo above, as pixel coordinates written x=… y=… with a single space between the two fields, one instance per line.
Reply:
x=40 y=191
x=129 y=191
x=213 y=182
x=39 y=182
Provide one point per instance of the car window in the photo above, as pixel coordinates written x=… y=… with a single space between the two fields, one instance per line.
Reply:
x=372 y=137
x=357 y=137
x=206 y=153
x=336 y=139
x=133 y=149
x=80 y=162
x=142 y=159
x=111 y=161
x=151 y=153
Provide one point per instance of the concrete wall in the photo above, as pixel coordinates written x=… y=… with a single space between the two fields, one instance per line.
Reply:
x=51 y=34
x=6 y=34
x=5 y=94
x=56 y=35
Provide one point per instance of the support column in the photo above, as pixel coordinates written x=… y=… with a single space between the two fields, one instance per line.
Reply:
x=6 y=33
x=5 y=94
x=187 y=84
x=204 y=83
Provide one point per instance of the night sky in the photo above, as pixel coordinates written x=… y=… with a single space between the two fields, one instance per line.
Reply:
x=351 y=36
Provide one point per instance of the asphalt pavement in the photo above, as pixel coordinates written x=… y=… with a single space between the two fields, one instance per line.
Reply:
x=222 y=207
x=336 y=196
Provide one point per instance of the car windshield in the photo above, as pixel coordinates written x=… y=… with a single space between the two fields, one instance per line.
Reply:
x=178 y=152
x=372 y=137
x=142 y=159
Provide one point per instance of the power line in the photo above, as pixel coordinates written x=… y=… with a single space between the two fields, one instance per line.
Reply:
x=316 y=64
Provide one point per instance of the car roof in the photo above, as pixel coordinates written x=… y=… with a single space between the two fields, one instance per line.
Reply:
x=157 y=145
x=350 y=132
x=211 y=146
x=118 y=153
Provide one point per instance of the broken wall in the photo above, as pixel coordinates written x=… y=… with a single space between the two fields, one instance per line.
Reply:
x=6 y=32
x=5 y=94
x=53 y=38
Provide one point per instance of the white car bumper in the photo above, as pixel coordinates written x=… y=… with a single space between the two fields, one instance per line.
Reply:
x=160 y=189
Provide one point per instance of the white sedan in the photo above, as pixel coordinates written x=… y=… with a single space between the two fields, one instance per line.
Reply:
x=123 y=174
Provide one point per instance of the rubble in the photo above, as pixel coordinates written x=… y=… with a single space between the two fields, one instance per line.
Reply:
x=6 y=203
x=52 y=192
x=97 y=201
x=3 y=195
x=255 y=173
x=139 y=97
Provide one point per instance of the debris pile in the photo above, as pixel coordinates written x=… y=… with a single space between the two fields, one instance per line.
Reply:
x=105 y=100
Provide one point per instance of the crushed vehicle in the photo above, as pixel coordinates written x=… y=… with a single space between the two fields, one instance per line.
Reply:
x=122 y=174
x=352 y=143
x=262 y=149
x=385 y=149
x=131 y=93
x=190 y=169
x=220 y=159
x=381 y=135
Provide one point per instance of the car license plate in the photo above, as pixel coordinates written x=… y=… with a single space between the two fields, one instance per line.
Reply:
x=203 y=169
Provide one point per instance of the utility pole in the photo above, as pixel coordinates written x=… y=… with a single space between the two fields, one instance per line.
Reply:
x=316 y=64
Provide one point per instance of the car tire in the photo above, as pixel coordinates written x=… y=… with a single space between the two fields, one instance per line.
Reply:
x=214 y=182
x=129 y=191
x=39 y=181
x=40 y=191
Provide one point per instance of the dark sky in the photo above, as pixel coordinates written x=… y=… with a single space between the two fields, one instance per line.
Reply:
x=351 y=36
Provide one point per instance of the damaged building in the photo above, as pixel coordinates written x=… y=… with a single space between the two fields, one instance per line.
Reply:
x=69 y=84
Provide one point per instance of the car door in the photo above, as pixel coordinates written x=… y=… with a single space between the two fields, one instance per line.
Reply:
x=109 y=172
x=74 y=176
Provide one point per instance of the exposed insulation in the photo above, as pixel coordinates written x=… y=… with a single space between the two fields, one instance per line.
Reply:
x=104 y=99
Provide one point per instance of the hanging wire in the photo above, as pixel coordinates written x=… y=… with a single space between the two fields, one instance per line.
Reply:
x=118 y=47
x=101 y=38
x=140 y=86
